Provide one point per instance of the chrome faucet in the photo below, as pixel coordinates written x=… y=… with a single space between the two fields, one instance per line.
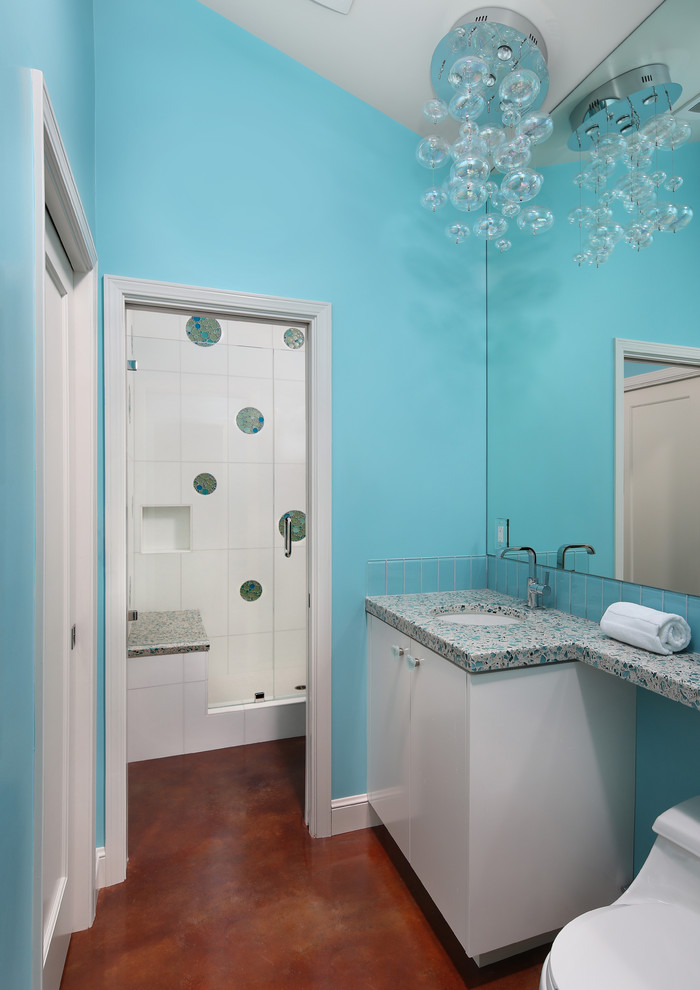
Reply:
x=535 y=591
x=561 y=552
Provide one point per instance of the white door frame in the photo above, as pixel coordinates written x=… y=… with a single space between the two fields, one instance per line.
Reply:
x=646 y=351
x=55 y=190
x=118 y=293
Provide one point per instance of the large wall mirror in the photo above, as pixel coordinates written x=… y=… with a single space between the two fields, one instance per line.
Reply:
x=558 y=361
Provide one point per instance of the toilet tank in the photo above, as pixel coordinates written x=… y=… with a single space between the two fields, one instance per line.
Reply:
x=681 y=825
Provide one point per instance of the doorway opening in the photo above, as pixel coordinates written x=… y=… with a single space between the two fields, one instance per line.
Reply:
x=174 y=522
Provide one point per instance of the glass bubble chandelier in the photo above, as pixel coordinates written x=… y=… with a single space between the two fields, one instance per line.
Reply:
x=490 y=78
x=626 y=136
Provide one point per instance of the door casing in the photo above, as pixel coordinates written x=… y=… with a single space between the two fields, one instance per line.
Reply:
x=118 y=293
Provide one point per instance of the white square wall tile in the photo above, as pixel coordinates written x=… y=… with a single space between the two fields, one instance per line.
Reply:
x=290 y=489
x=145 y=672
x=204 y=418
x=156 y=582
x=290 y=422
x=290 y=588
x=155 y=722
x=290 y=651
x=250 y=393
x=248 y=333
x=198 y=360
x=287 y=680
x=205 y=586
x=157 y=416
x=153 y=354
x=250 y=517
x=204 y=729
x=157 y=483
x=266 y=722
x=250 y=362
x=156 y=323
x=194 y=666
x=244 y=615
x=252 y=654
x=290 y=365
x=209 y=511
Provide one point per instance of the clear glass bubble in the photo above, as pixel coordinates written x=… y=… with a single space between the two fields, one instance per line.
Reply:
x=433 y=152
x=458 y=40
x=658 y=178
x=501 y=200
x=469 y=130
x=504 y=53
x=491 y=227
x=468 y=72
x=658 y=129
x=681 y=133
x=673 y=183
x=537 y=126
x=580 y=259
x=468 y=196
x=493 y=137
x=492 y=188
x=602 y=214
x=510 y=210
x=637 y=154
x=606 y=197
x=524 y=183
x=435 y=111
x=466 y=105
x=433 y=199
x=661 y=215
x=469 y=146
x=683 y=218
x=635 y=187
x=503 y=245
x=513 y=154
x=471 y=168
x=637 y=235
x=582 y=216
x=604 y=235
x=511 y=117
x=610 y=147
x=535 y=219
x=520 y=87
x=458 y=232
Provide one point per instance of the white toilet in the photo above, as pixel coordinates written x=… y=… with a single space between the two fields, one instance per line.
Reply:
x=649 y=938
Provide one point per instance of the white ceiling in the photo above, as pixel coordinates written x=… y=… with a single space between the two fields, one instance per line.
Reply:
x=381 y=51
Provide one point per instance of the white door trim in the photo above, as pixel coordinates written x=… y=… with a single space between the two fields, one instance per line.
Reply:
x=55 y=189
x=647 y=351
x=118 y=293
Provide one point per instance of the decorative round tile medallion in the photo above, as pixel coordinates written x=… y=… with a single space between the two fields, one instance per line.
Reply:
x=204 y=483
x=298 y=524
x=203 y=331
x=251 y=591
x=294 y=338
x=250 y=420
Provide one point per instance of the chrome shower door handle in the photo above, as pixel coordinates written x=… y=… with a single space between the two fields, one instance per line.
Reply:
x=288 y=536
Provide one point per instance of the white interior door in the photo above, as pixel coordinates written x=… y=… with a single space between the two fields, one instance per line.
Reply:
x=662 y=477
x=58 y=607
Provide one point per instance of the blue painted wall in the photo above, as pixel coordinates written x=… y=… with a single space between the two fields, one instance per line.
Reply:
x=221 y=162
x=56 y=37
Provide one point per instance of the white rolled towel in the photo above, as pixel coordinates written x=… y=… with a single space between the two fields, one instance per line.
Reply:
x=658 y=632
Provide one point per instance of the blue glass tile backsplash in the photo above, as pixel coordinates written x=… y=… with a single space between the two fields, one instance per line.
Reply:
x=570 y=591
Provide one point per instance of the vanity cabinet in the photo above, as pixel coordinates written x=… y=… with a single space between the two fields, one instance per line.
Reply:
x=511 y=792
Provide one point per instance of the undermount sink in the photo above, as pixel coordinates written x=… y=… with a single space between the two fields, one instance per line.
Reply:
x=479 y=618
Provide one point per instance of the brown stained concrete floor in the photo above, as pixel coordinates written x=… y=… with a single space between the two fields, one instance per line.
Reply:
x=225 y=889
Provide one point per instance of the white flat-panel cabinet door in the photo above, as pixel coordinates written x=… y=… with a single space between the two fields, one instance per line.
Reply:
x=57 y=580
x=438 y=782
x=388 y=729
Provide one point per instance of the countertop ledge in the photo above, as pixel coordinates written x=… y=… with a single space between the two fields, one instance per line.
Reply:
x=544 y=636
x=161 y=633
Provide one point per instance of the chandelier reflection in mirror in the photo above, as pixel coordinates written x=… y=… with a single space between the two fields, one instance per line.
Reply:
x=626 y=136
x=489 y=75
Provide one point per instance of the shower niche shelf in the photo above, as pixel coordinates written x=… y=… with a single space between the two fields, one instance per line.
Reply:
x=165 y=528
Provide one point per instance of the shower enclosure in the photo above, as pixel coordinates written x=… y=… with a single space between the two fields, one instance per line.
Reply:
x=217 y=491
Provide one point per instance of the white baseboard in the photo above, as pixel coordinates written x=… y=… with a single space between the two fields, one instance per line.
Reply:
x=99 y=869
x=351 y=813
